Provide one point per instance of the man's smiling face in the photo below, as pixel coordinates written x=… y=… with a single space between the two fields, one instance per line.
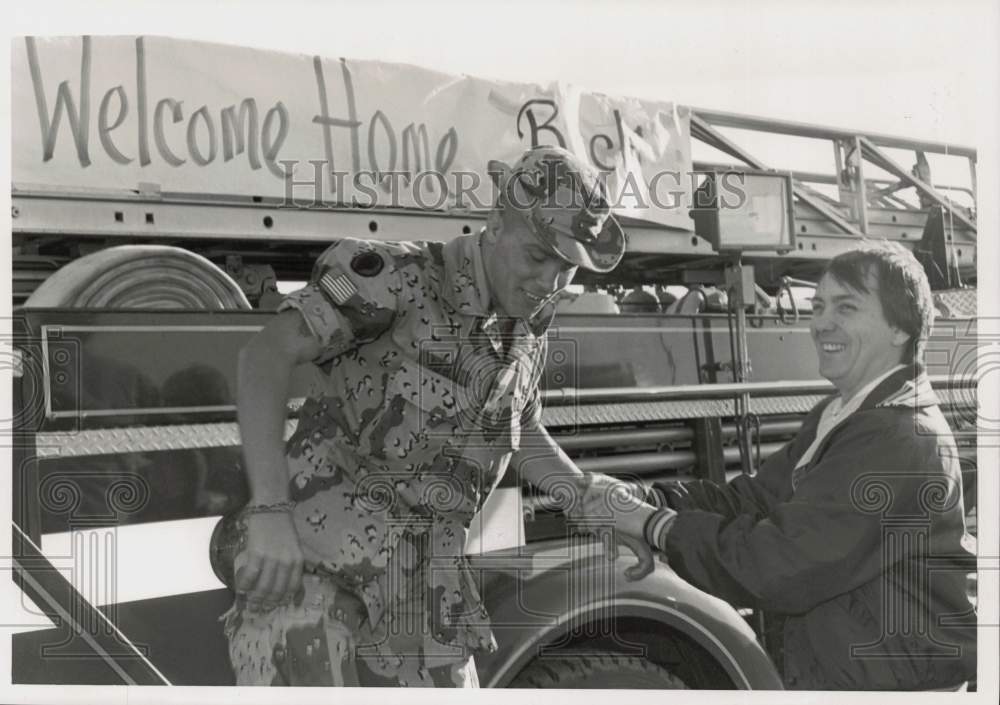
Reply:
x=523 y=273
x=854 y=341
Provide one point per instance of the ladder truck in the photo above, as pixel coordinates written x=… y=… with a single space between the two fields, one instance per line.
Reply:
x=154 y=231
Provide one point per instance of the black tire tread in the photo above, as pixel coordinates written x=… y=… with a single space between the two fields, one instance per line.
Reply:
x=569 y=671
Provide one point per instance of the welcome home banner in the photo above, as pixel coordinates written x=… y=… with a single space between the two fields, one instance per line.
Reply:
x=193 y=117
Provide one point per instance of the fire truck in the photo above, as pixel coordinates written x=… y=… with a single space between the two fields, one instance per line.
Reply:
x=691 y=359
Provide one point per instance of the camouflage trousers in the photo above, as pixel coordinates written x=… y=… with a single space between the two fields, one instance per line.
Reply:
x=324 y=638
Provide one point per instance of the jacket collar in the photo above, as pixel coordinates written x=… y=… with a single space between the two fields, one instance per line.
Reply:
x=909 y=387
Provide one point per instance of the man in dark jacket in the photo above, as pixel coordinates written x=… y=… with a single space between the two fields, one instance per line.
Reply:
x=854 y=532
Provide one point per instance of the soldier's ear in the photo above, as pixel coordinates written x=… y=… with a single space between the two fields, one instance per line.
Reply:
x=499 y=172
x=493 y=223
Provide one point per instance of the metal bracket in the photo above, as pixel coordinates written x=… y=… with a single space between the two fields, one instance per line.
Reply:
x=708 y=134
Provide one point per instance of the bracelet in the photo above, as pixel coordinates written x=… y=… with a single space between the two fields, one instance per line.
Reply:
x=646 y=529
x=284 y=506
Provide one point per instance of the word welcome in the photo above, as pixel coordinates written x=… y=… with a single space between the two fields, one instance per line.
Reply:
x=239 y=131
x=372 y=157
x=203 y=136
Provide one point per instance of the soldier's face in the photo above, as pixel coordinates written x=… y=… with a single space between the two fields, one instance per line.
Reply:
x=524 y=275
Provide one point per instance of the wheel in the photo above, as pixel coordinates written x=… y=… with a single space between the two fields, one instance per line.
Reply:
x=140 y=276
x=595 y=671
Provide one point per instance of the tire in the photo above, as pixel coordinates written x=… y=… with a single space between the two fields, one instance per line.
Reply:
x=596 y=671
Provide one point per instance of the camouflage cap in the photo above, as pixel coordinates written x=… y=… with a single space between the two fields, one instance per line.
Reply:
x=564 y=202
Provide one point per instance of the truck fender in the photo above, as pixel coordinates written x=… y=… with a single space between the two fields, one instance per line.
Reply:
x=537 y=608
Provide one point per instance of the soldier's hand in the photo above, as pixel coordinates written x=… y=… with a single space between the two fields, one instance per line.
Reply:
x=272 y=572
x=602 y=497
x=614 y=510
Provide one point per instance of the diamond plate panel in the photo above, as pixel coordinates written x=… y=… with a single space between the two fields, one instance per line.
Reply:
x=802 y=404
x=221 y=435
x=960 y=303
x=141 y=439
x=637 y=412
x=634 y=412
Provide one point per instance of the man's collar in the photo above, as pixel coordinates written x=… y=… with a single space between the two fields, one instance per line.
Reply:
x=907 y=386
x=859 y=396
x=466 y=287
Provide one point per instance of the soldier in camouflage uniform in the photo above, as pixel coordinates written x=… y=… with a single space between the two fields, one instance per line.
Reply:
x=427 y=361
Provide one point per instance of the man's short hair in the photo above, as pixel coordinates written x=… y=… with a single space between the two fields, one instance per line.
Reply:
x=903 y=289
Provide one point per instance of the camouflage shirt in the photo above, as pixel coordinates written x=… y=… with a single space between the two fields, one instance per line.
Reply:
x=418 y=400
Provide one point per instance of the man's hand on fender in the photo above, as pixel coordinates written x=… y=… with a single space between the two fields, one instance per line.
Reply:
x=271 y=573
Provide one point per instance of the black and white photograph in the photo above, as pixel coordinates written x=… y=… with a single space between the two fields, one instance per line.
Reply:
x=569 y=346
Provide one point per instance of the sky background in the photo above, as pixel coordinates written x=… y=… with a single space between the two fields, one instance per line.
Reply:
x=922 y=69
x=902 y=67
